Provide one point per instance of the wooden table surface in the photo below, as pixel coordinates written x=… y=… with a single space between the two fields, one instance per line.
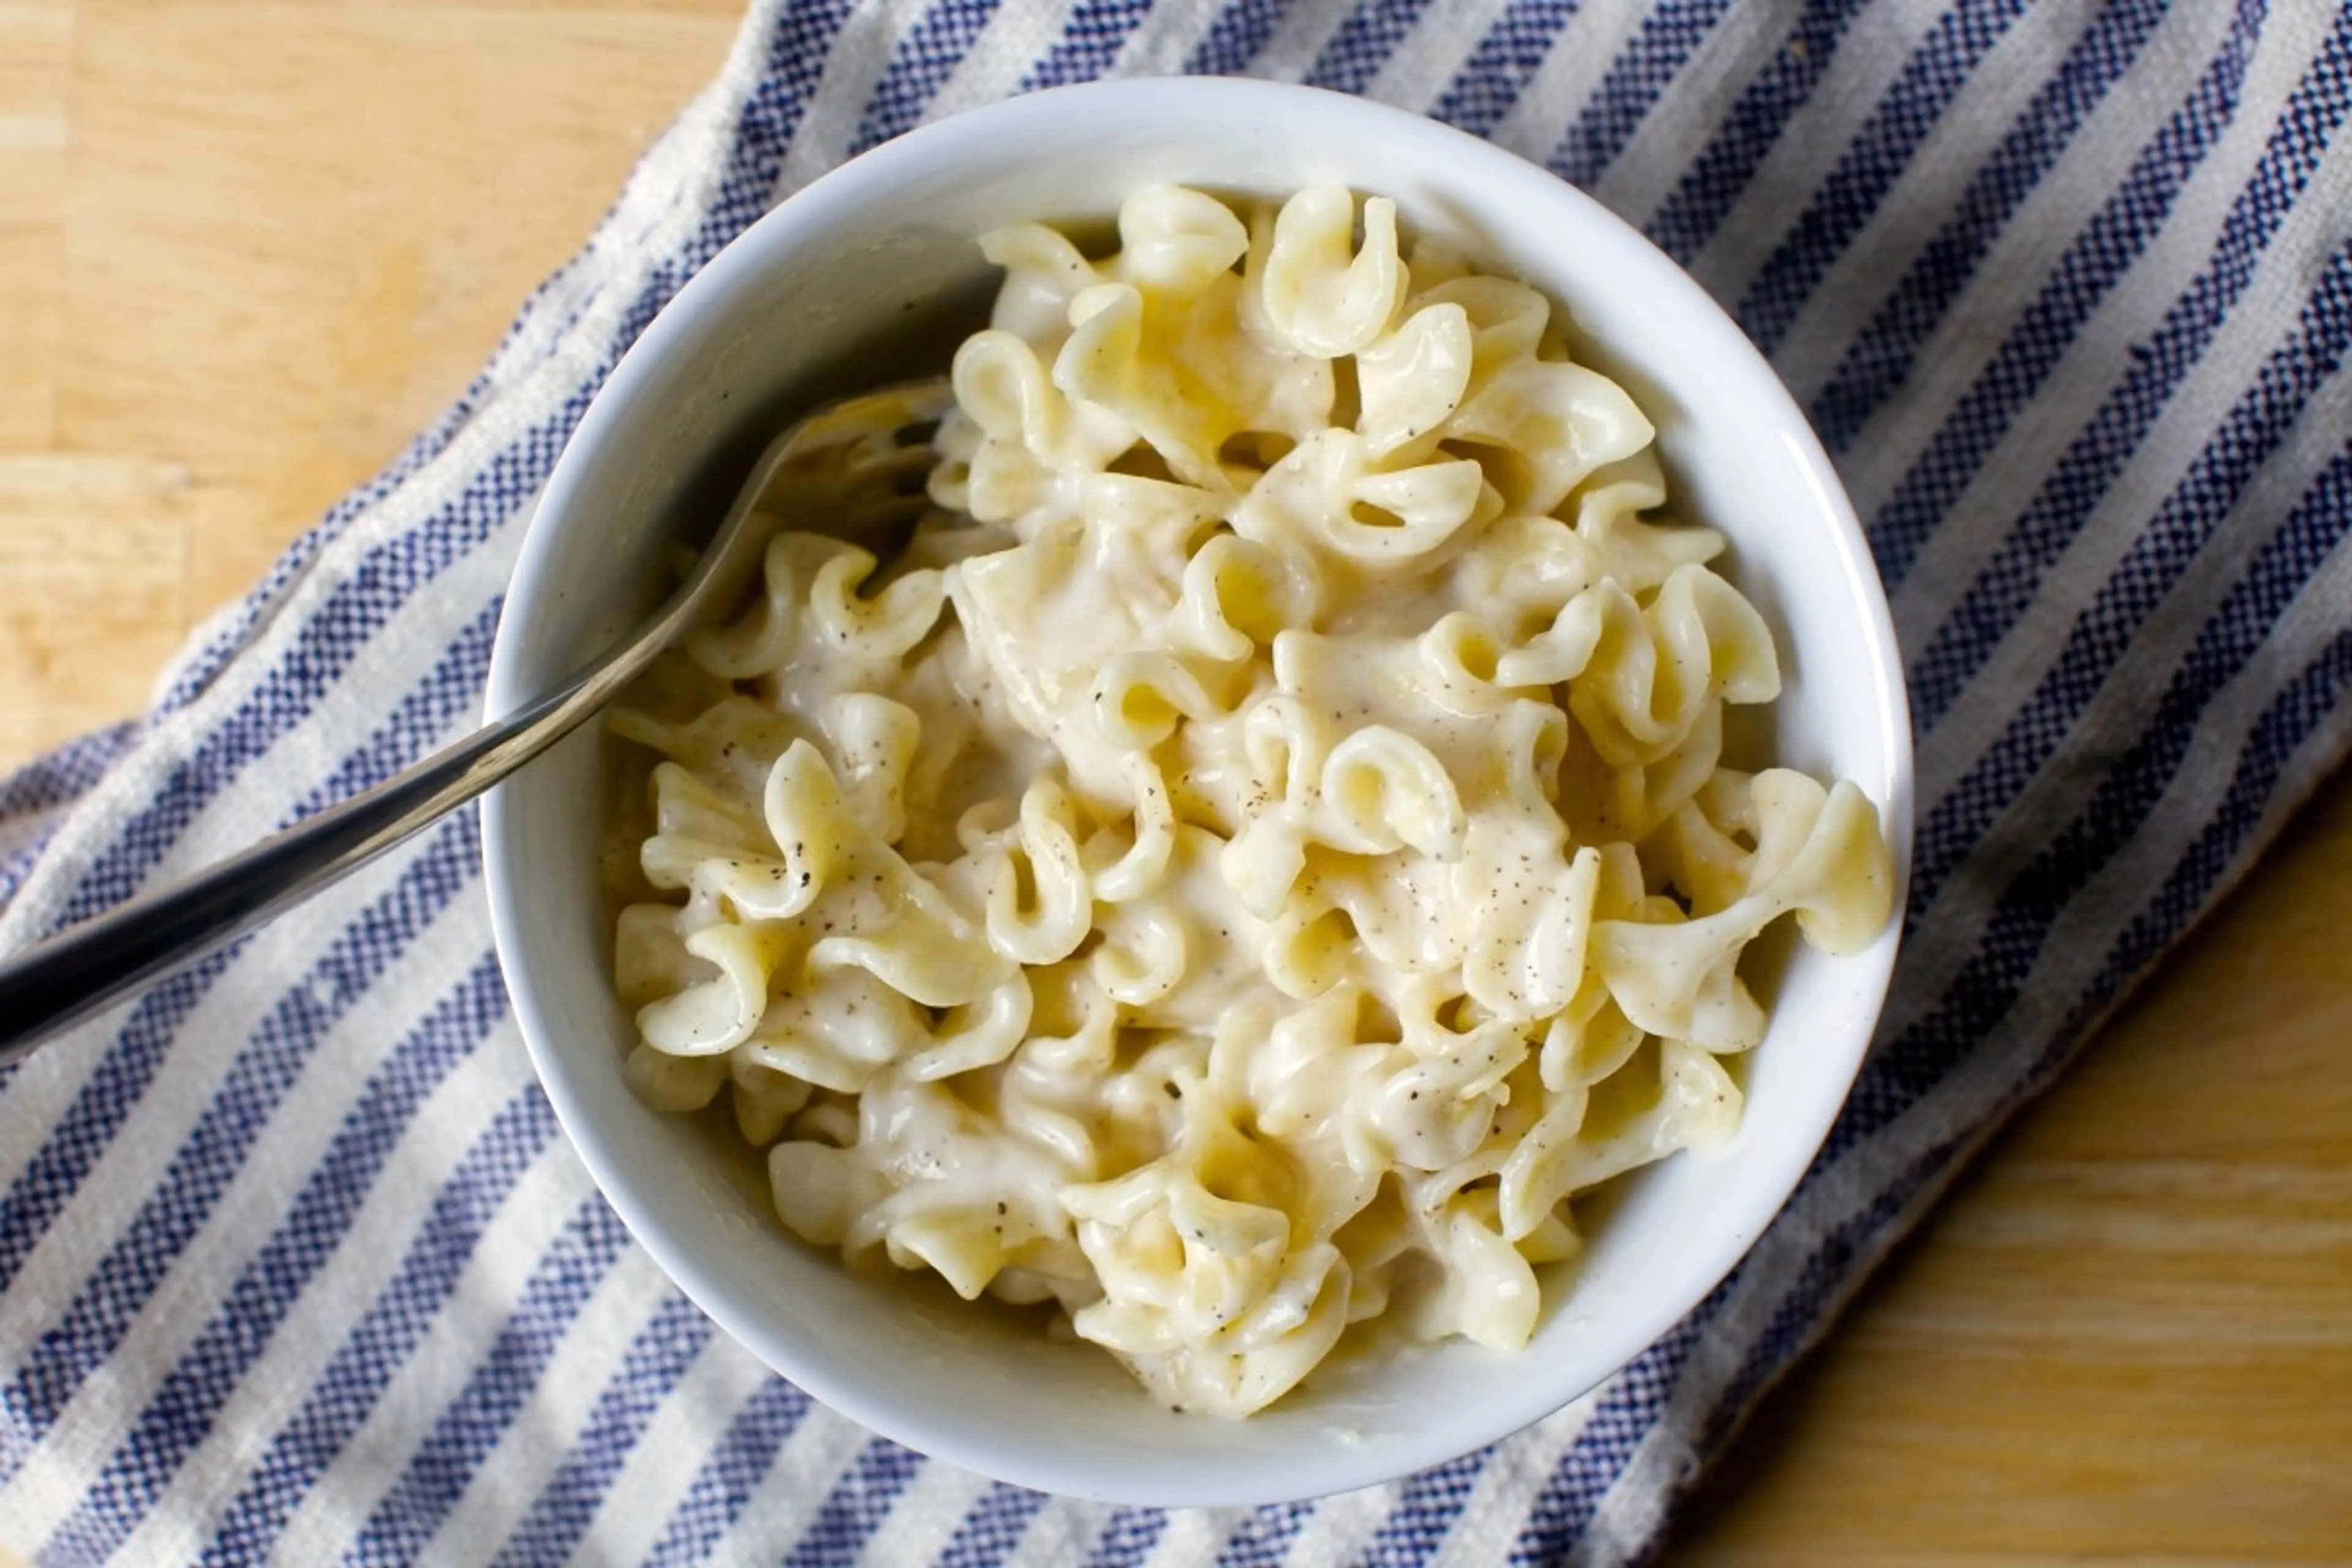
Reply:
x=247 y=249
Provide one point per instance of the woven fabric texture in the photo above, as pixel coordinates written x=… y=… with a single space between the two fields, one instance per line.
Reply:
x=294 y=1264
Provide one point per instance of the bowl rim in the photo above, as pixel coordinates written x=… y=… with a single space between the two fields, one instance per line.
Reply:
x=840 y=194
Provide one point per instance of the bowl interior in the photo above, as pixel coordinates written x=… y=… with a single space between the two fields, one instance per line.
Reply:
x=870 y=274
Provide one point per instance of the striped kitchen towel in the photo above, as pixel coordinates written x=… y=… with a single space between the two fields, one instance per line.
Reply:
x=294 y=1265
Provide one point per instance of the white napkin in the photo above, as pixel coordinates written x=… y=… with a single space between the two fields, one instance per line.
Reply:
x=293 y=1262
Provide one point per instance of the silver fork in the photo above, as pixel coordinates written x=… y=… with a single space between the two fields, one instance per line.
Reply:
x=858 y=461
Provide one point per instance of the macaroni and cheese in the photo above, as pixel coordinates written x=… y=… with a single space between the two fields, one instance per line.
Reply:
x=1263 y=847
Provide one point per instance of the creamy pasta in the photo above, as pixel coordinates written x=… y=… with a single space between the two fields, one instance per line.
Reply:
x=1262 y=848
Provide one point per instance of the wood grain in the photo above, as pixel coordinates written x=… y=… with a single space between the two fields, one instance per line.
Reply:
x=247 y=249
x=2129 y=1334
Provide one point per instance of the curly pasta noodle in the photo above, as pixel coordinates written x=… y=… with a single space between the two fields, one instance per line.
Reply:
x=1263 y=848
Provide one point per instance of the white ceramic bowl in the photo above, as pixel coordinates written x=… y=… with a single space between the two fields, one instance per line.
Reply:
x=823 y=296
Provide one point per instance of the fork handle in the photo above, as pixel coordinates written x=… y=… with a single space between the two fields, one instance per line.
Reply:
x=58 y=983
